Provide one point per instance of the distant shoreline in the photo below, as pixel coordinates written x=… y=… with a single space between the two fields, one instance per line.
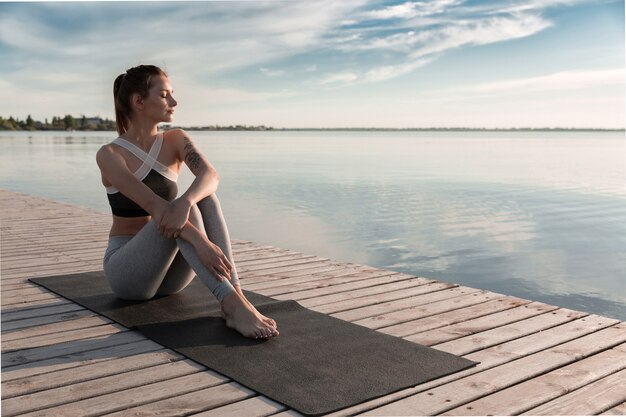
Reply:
x=83 y=123
x=339 y=129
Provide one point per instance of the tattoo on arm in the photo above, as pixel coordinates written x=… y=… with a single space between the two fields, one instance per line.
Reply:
x=192 y=157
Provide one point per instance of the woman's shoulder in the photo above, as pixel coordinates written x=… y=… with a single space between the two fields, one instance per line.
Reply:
x=174 y=134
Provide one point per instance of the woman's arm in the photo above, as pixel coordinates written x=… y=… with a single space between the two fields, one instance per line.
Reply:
x=207 y=178
x=205 y=183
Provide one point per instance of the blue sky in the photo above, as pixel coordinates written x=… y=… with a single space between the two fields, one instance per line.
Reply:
x=441 y=63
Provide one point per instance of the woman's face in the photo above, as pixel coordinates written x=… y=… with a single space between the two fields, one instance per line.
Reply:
x=159 y=105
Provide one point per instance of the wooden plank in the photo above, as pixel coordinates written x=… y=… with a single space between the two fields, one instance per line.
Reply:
x=66 y=395
x=13 y=264
x=489 y=315
x=38 y=312
x=454 y=394
x=406 y=309
x=53 y=328
x=106 y=352
x=589 y=400
x=35 y=304
x=23 y=292
x=89 y=242
x=16 y=325
x=448 y=318
x=258 y=406
x=66 y=336
x=618 y=410
x=277 y=263
x=282 y=284
x=328 y=279
x=73 y=268
x=278 y=267
x=387 y=297
x=192 y=402
x=16 y=301
x=87 y=372
x=384 y=283
x=36 y=354
x=41 y=270
x=14 y=286
x=289 y=413
x=29 y=248
x=546 y=387
x=144 y=394
x=268 y=257
x=502 y=334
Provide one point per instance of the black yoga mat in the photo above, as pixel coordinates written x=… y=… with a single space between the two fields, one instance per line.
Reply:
x=317 y=365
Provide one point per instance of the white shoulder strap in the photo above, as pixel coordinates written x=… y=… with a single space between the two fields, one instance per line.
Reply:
x=149 y=160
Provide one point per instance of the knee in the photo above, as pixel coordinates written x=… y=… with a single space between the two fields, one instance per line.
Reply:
x=210 y=202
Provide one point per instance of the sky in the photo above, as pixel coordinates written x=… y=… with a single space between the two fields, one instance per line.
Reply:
x=326 y=63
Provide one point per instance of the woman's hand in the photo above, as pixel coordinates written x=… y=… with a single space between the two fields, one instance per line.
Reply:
x=173 y=218
x=214 y=259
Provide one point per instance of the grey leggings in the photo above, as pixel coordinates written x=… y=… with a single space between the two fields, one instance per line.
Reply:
x=147 y=264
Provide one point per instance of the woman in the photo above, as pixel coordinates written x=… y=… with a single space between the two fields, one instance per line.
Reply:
x=158 y=243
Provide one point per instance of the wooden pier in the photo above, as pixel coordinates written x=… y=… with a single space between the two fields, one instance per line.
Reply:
x=59 y=359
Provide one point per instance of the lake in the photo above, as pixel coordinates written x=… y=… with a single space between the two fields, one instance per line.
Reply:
x=538 y=215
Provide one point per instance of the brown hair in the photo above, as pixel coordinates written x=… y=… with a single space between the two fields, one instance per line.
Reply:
x=134 y=80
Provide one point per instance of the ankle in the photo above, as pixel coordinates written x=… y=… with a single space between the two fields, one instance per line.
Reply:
x=231 y=303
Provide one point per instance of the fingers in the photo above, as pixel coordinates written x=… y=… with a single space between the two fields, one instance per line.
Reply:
x=219 y=275
x=224 y=259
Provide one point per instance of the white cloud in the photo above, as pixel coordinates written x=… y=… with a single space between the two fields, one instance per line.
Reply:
x=343 y=77
x=271 y=72
x=481 y=32
x=431 y=38
x=403 y=41
x=412 y=9
x=391 y=71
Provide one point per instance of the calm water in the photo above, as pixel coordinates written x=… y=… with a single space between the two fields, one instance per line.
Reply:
x=535 y=215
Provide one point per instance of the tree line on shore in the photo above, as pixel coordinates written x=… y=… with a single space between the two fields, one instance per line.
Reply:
x=68 y=122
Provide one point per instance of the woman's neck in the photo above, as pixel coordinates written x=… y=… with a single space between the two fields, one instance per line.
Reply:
x=141 y=133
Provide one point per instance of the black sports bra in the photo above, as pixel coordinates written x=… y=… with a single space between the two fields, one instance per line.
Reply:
x=158 y=177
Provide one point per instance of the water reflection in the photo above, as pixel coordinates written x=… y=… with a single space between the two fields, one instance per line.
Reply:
x=540 y=217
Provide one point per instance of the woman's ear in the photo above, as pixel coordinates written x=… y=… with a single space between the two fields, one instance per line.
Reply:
x=136 y=101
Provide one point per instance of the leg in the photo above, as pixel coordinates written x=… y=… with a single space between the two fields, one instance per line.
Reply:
x=147 y=263
x=180 y=274
x=136 y=268
x=136 y=265
x=217 y=232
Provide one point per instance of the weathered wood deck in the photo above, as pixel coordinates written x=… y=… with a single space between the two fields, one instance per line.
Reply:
x=59 y=359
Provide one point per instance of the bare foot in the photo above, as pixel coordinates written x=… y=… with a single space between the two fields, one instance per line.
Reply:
x=240 y=317
x=266 y=320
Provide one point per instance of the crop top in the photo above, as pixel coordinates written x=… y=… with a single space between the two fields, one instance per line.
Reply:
x=158 y=177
